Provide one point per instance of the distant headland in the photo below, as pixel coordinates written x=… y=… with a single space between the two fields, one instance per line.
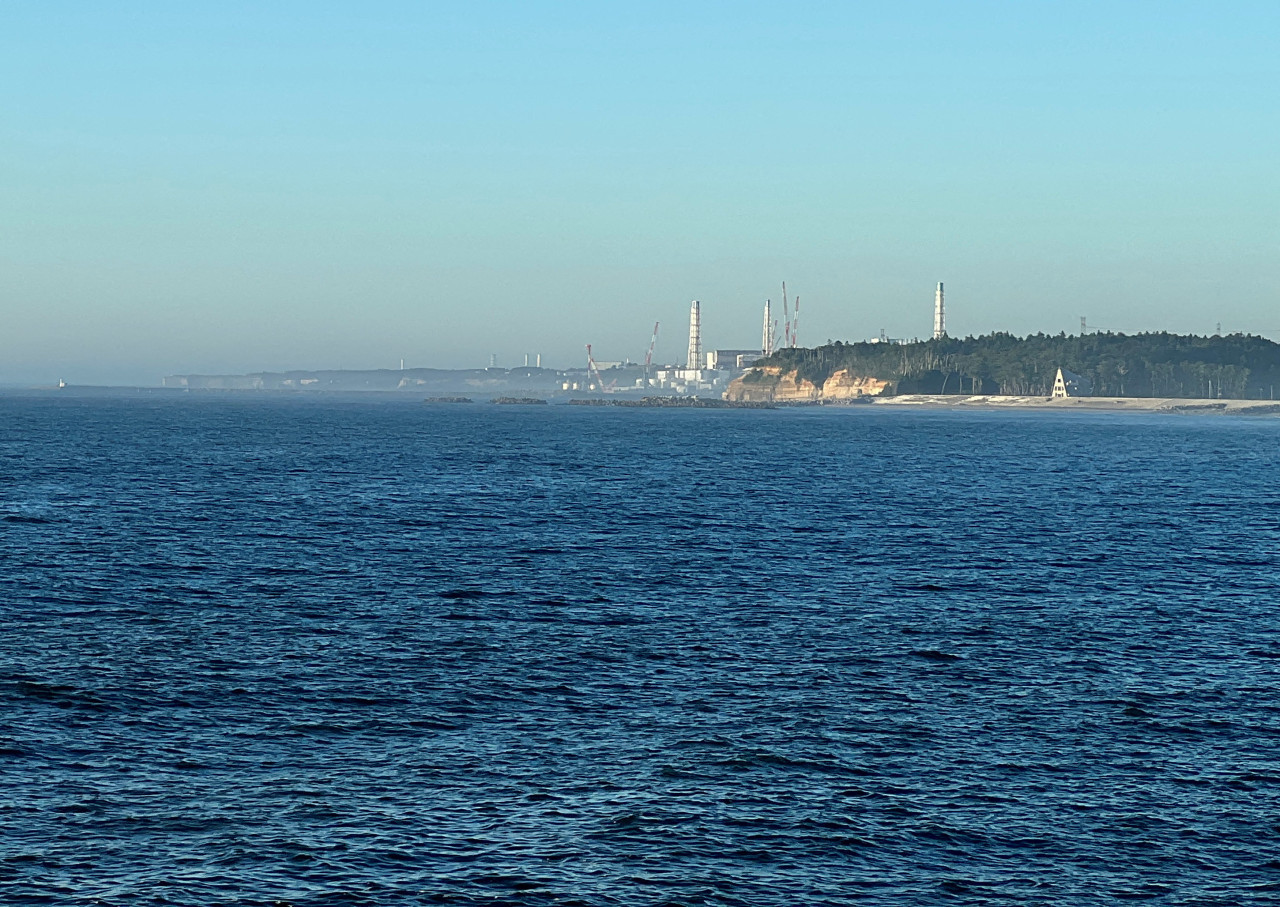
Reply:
x=1098 y=365
x=1094 y=370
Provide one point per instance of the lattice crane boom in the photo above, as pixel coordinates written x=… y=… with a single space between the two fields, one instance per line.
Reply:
x=592 y=369
x=648 y=358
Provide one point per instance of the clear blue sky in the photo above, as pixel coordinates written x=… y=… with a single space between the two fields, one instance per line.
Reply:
x=242 y=186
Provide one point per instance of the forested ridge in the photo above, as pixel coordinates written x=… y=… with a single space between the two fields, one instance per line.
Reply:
x=1235 y=366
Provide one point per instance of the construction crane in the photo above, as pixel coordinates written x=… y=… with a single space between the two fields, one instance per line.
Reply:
x=592 y=370
x=648 y=357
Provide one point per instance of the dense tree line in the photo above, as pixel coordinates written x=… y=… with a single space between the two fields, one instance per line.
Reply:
x=1237 y=366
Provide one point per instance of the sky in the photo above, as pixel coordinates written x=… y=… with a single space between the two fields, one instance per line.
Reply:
x=234 y=187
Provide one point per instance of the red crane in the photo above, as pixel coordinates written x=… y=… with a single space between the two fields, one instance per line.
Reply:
x=648 y=359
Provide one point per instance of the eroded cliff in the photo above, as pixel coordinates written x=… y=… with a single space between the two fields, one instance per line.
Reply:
x=769 y=384
x=844 y=386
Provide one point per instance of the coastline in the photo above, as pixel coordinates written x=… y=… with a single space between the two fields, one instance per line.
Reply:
x=1091 y=404
x=985 y=402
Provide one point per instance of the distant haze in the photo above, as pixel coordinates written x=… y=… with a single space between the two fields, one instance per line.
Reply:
x=238 y=187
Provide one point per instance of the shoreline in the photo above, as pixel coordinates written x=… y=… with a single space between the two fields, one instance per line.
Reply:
x=982 y=402
x=1182 y=405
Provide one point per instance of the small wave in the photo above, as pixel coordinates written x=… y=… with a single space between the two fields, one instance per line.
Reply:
x=323 y=729
x=61 y=695
x=1261 y=777
x=934 y=655
x=76 y=808
x=678 y=773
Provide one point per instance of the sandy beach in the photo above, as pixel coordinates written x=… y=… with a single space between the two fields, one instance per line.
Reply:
x=1091 y=404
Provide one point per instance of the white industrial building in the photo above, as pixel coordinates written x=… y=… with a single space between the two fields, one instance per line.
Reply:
x=732 y=359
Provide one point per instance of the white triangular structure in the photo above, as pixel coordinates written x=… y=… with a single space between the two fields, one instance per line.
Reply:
x=1069 y=384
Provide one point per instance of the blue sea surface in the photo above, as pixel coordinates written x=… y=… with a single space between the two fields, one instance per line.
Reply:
x=326 y=651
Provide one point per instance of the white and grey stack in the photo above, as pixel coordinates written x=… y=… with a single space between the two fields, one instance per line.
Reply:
x=939 y=325
x=695 y=336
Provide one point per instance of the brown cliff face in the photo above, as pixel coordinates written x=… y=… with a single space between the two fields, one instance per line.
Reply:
x=843 y=386
x=768 y=384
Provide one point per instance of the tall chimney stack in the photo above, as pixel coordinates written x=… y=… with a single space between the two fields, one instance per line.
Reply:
x=695 y=336
x=766 y=342
x=939 y=325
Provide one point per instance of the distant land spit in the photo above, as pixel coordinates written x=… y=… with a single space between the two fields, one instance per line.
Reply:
x=1157 y=365
x=1154 y=371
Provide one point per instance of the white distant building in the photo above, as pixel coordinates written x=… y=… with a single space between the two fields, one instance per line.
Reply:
x=722 y=359
x=1069 y=384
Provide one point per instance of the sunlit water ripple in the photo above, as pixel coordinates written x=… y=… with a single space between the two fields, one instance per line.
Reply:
x=322 y=652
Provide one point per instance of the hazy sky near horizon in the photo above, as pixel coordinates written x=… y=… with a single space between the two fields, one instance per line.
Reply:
x=245 y=186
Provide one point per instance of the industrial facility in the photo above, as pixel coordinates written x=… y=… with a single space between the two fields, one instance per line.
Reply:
x=704 y=371
x=711 y=370
x=939 y=323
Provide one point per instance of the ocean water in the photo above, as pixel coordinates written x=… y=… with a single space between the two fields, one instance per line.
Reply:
x=330 y=651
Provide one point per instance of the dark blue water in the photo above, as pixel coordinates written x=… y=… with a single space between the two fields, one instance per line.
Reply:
x=321 y=652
